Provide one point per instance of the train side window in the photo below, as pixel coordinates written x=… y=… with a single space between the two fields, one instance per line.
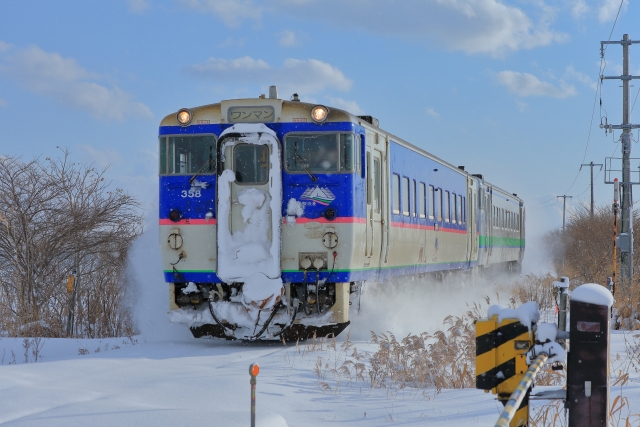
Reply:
x=447 y=207
x=406 y=201
x=460 y=209
x=188 y=154
x=346 y=152
x=414 y=193
x=396 y=194
x=423 y=198
x=454 y=213
x=368 y=166
x=432 y=201
x=376 y=184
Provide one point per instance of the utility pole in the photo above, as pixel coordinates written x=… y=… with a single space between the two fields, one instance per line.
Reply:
x=591 y=165
x=626 y=199
x=564 y=208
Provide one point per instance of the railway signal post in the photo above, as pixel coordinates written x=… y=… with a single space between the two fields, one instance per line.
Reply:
x=512 y=347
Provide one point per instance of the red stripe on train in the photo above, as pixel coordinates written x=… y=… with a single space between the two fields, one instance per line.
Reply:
x=188 y=221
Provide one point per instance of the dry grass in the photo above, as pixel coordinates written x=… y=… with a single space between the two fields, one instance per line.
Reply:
x=445 y=359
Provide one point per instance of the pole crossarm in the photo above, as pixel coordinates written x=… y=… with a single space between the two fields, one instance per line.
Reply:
x=520 y=392
x=629 y=126
x=627 y=42
x=619 y=77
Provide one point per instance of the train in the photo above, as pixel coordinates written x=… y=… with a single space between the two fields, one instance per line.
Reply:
x=273 y=214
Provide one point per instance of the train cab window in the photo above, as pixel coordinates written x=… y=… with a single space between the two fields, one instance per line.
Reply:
x=422 y=199
x=406 y=201
x=377 y=184
x=432 y=201
x=447 y=207
x=251 y=163
x=319 y=152
x=396 y=194
x=188 y=154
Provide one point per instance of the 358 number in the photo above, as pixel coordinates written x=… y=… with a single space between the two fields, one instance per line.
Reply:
x=190 y=193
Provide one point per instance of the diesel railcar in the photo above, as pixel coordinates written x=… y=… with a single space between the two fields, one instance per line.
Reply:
x=273 y=213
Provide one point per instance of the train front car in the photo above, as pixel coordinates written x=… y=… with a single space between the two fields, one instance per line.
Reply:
x=258 y=203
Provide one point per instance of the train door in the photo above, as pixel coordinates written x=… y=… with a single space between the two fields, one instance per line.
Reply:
x=378 y=207
x=491 y=216
x=521 y=232
x=249 y=201
x=472 y=235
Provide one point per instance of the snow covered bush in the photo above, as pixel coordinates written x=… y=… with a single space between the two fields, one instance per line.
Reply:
x=57 y=217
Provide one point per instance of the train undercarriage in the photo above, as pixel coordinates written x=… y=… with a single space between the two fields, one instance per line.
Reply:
x=300 y=311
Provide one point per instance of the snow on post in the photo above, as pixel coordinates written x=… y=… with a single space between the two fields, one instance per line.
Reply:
x=592 y=293
x=527 y=313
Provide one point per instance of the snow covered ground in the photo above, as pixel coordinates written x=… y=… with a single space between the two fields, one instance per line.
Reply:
x=197 y=382
x=163 y=377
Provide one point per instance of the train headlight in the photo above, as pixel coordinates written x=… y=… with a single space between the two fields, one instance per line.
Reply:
x=319 y=113
x=184 y=116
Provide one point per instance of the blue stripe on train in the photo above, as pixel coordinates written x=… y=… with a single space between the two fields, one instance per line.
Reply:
x=342 y=276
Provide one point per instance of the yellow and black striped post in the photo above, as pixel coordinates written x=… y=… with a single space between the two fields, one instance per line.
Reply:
x=501 y=360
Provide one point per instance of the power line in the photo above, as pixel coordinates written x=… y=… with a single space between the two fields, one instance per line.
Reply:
x=598 y=89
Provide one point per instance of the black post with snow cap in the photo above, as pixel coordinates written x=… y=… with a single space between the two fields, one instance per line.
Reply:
x=588 y=361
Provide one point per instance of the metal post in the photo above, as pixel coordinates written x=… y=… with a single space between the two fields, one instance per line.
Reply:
x=616 y=192
x=564 y=208
x=254 y=370
x=562 y=311
x=627 y=195
x=591 y=165
x=626 y=199
x=72 y=286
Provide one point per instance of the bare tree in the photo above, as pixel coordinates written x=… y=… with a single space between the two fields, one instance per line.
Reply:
x=57 y=218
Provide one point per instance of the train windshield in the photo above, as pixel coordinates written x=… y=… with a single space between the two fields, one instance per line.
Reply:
x=319 y=152
x=188 y=154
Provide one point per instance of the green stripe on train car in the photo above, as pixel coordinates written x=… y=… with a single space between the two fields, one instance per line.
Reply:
x=500 y=241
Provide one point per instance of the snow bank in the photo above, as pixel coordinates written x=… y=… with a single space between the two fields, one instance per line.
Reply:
x=592 y=293
x=527 y=313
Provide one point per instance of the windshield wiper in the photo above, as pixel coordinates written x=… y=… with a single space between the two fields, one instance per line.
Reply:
x=202 y=168
x=296 y=157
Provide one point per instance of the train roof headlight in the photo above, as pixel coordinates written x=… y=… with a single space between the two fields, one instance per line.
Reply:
x=319 y=113
x=184 y=116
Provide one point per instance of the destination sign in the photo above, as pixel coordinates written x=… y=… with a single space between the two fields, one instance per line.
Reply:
x=250 y=114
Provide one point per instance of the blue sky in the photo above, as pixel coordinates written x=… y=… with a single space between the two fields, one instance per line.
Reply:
x=505 y=88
